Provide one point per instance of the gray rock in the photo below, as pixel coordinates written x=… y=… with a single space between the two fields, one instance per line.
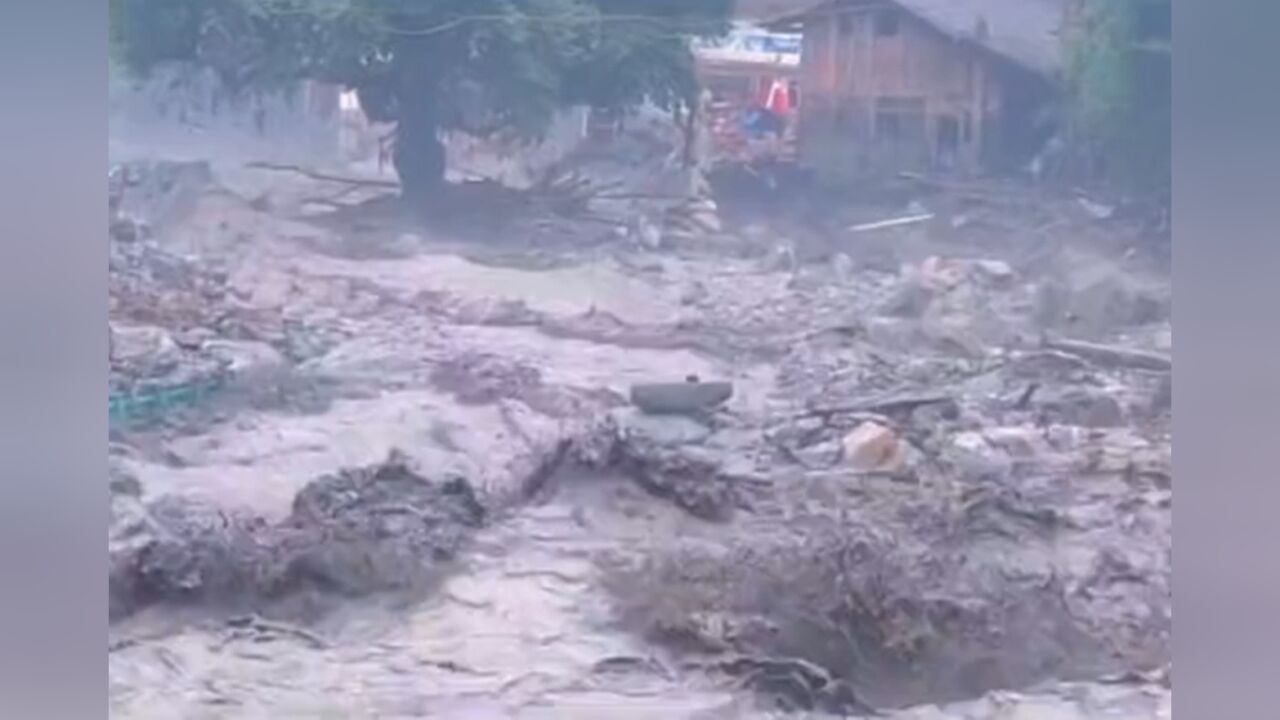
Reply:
x=910 y=300
x=680 y=398
x=819 y=456
x=662 y=430
x=144 y=350
x=975 y=459
x=1086 y=407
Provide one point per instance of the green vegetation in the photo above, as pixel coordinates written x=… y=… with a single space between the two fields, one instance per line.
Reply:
x=477 y=66
x=1119 y=74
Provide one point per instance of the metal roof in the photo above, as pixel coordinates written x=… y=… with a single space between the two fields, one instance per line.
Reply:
x=1023 y=31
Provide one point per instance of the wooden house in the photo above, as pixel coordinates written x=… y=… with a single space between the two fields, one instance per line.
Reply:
x=932 y=85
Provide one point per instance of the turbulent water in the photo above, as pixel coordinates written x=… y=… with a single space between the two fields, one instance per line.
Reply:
x=425 y=354
x=521 y=630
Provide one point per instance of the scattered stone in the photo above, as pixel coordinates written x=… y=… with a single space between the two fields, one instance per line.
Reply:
x=872 y=447
x=663 y=430
x=996 y=272
x=940 y=274
x=953 y=335
x=1085 y=407
x=819 y=456
x=146 y=350
x=247 y=361
x=910 y=300
x=194 y=338
x=1022 y=442
x=977 y=459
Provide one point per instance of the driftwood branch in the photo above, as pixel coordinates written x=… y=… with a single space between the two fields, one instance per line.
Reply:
x=881 y=406
x=1111 y=354
x=895 y=222
x=315 y=175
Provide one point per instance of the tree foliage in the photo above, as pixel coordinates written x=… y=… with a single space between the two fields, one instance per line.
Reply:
x=1119 y=90
x=476 y=66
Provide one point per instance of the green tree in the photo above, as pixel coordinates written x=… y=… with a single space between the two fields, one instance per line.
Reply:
x=477 y=66
x=1119 y=83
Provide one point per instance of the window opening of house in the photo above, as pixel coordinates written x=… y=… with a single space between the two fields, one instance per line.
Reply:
x=886 y=23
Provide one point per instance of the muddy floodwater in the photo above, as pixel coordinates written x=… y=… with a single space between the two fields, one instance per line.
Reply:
x=941 y=487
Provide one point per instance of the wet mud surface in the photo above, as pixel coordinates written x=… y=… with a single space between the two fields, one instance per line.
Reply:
x=426 y=492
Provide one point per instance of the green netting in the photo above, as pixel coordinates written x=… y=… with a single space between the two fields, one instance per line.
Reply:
x=151 y=404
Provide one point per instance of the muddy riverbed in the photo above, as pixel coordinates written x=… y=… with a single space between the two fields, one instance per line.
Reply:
x=910 y=504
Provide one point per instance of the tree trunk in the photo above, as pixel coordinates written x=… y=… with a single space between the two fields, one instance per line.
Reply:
x=419 y=155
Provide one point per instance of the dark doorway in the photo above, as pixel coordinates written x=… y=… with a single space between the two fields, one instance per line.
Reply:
x=948 y=142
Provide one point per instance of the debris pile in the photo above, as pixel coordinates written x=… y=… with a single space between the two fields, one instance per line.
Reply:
x=360 y=531
x=179 y=331
x=957 y=503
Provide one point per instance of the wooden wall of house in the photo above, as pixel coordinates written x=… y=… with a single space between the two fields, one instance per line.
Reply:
x=886 y=91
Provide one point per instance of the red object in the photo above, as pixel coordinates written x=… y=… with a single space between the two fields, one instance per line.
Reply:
x=779 y=101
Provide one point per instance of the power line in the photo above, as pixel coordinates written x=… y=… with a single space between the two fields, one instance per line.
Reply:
x=567 y=19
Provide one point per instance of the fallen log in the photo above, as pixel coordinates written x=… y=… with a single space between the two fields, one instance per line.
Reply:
x=1111 y=354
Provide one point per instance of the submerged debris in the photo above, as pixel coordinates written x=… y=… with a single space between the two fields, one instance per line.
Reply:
x=902 y=493
x=358 y=532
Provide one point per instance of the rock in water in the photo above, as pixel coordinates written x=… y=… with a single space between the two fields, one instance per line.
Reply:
x=872 y=447
x=680 y=398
